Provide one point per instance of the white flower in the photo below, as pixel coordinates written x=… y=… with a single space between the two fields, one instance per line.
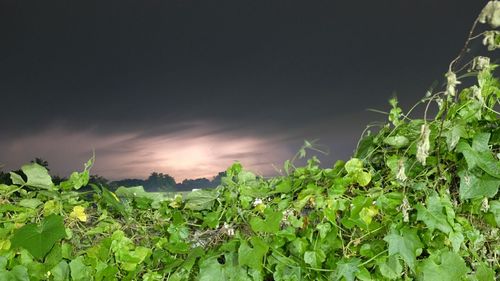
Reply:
x=257 y=201
x=229 y=229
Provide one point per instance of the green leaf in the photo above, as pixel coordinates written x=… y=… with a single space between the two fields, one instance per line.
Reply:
x=456 y=239
x=405 y=245
x=76 y=180
x=271 y=223
x=30 y=203
x=367 y=213
x=482 y=159
x=37 y=176
x=472 y=187
x=210 y=268
x=314 y=258
x=18 y=273
x=495 y=210
x=252 y=256
x=397 y=141
x=391 y=268
x=202 y=199
x=39 y=239
x=433 y=215
x=480 y=142
x=16 y=179
x=484 y=273
x=353 y=165
x=346 y=268
x=79 y=271
x=362 y=178
x=60 y=271
x=445 y=266
x=454 y=134
x=130 y=259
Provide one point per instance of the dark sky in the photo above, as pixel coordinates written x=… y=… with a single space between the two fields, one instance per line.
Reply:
x=186 y=87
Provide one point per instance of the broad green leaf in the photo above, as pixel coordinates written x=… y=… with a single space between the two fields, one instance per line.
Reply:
x=445 y=266
x=61 y=271
x=391 y=268
x=130 y=259
x=433 y=216
x=252 y=256
x=30 y=203
x=353 y=165
x=454 y=134
x=79 y=271
x=484 y=273
x=209 y=269
x=314 y=258
x=456 y=239
x=18 y=273
x=202 y=199
x=482 y=159
x=472 y=187
x=76 y=180
x=286 y=272
x=397 y=141
x=495 y=210
x=407 y=244
x=37 y=176
x=271 y=223
x=346 y=268
x=480 y=142
x=39 y=239
x=367 y=213
x=363 y=274
x=362 y=178
x=16 y=179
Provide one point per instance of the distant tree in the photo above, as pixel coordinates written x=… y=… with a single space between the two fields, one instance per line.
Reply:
x=159 y=182
x=196 y=183
x=4 y=178
x=217 y=180
x=58 y=179
x=98 y=180
x=41 y=162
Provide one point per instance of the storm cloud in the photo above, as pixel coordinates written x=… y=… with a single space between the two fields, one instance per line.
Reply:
x=152 y=84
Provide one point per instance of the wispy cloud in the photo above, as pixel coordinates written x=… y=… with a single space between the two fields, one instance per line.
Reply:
x=198 y=150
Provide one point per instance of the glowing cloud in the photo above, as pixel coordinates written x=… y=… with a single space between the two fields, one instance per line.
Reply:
x=199 y=150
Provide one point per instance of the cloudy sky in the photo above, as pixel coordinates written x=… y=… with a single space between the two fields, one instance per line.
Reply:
x=187 y=87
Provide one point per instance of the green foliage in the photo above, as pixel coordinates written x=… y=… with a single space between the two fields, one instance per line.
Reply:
x=418 y=201
x=39 y=239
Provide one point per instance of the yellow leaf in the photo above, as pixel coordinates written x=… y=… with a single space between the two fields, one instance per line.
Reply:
x=78 y=213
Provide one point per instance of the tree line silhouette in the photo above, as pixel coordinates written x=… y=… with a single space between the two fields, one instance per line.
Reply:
x=155 y=182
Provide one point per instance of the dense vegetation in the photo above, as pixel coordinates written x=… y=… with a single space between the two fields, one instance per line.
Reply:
x=418 y=201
